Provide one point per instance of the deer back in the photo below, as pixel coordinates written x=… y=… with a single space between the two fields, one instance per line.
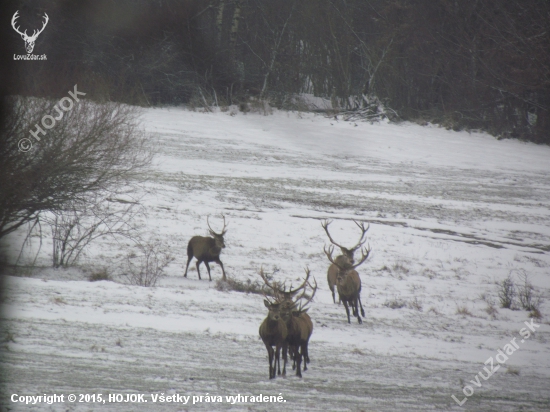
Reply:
x=205 y=247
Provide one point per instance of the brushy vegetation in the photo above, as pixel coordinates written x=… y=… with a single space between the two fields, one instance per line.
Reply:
x=464 y=311
x=146 y=267
x=395 y=303
x=506 y=292
x=98 y=275
x=239 y=286
x=528 y=298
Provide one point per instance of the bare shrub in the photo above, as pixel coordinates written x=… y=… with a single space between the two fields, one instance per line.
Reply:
x=98 y=275
x=146 y=267
x=512 y=370
x=85 y=220
x=399 y=267
x=415 y=304
x=92 y=148
x=464 y=311
x=528 y=298
x=491 y=311
x=506 y=292
x=395 y=303
x=535 y=313
x=434 y=311
x=239 y=286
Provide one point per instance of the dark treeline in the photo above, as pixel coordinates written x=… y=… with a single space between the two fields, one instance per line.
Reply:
x=479 y=64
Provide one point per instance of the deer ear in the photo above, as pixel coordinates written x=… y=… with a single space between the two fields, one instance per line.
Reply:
x=266 y=303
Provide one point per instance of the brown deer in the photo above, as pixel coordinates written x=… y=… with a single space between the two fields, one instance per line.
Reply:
x=298 y=322
x=348 y=282
x=273 y=332
x=206 y=249
x=346 y=256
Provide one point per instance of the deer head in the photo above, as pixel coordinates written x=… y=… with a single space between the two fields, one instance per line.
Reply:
x=347 y=266
x=218 y=237
x=29 y=40
x=348 y=252
x=290 y=300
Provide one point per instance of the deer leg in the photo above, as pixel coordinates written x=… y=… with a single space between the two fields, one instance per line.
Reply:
x=357 y=313
x=187 y=266
x=208 y=268
x=304 y=355
x=278 y=359
x=271 y=356
x=298 y=357
x=285 y=352
x=347 y=309
x=361 y=305
x=293 y=356
x=353 y=305
x=198 y=271
x=219 y=262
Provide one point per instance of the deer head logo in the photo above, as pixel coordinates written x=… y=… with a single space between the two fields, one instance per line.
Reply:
x=29 y=40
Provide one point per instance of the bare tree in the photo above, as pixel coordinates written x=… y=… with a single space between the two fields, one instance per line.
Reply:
x=93 y=148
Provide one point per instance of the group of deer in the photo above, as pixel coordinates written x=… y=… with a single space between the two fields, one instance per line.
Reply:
x=287 y=326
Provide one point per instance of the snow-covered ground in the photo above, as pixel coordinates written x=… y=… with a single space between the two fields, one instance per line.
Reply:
x=450 y=214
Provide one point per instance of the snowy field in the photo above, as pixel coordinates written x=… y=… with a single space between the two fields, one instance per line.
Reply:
x=450 y=214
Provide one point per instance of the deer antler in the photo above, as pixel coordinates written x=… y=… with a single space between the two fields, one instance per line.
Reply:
x=329 y=255
x=362 y=239
x=364 y=256
x=224 y=230
x=276 y=291
x=325 y=224
x=313 y=289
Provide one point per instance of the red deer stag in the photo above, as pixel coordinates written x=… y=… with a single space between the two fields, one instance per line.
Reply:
x=348 y=282
x=273 y=332
x=298 y=322
x=206 y=249
x=345 y=257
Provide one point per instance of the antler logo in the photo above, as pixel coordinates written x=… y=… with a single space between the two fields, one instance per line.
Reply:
x=29 y=40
